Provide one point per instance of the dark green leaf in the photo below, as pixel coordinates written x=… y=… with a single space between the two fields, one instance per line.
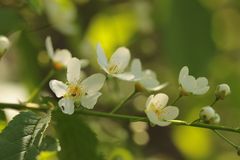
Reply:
x=21 y=139
x=77 y=140
x=36 y=5
x=50 y=144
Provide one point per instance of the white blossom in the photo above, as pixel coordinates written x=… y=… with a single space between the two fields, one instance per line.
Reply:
x=61 y=57
x=4 y=45
x=191 y=85
x=145 y=78
x=157 y=110
x=77 y=90
x=117 y=63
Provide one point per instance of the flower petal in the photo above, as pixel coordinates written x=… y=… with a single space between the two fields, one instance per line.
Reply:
x=136 y=68
x=189 y=84
x=148 y=102
x=73 y=70
x=58 y=87
x=160 y=100
x=183 y=73
x=150 y=73
x=90 y=100
x=49 y=46
x=124 y=76
x=66 y=105
x=152 y=116
x=101 y=58
x=84 y=63
x=93 y=83
x=169 y=113
x=202 y=86
x=201 y=91
x=202 y=82
x=62 y=56
x=151 y=84
x=121 y=58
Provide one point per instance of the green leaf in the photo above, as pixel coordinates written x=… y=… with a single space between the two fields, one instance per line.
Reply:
x=50 y=144
x=21 y=139
x=77 y=140
x=36 y=5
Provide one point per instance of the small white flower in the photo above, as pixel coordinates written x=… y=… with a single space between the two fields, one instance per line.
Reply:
x=222 y=91
x=191 y=85
x=4 y=45
x=61 y=57
x=208 y=115
x=116 y=64
x=76 y=90
x=157 y=110
x=145 y=78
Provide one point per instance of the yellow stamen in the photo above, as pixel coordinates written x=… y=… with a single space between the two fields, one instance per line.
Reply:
x=113 y=68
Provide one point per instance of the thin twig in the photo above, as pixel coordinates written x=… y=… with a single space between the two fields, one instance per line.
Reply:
x=123 y=102
x=41 y=85
x=226 y=139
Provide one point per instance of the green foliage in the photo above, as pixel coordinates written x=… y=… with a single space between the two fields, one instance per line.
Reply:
x=77 y=140
x=36 y=5
x=50 y=144
x=21 y=139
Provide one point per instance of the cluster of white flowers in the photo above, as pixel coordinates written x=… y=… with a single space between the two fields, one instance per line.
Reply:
x=86 y=92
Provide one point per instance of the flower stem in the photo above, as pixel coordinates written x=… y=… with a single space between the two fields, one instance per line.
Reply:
x=111 y=115
x=214 y=102
x=24 y=106
x=120 y=116
x=41 y=85
x=175 y=101
x=226 y=139
x=123 y=102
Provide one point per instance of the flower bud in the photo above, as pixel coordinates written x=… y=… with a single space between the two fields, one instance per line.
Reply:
x=207 y=113
x=4 y=45
x=222 y=90
x=216 y=119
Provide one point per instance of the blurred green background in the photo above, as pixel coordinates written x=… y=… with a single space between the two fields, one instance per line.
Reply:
x=165 y=34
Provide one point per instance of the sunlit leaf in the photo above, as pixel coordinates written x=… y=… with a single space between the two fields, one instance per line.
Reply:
x=47 y=155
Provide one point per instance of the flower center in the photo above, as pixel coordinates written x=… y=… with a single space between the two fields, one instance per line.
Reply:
x=75 y=91
x=156 y=110
x=113 y=68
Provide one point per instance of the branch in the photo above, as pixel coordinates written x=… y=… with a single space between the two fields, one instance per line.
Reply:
x=38 y=107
